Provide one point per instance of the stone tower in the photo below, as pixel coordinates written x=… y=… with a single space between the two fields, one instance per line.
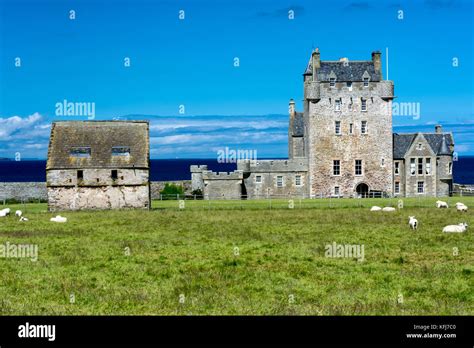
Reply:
x=348 y=118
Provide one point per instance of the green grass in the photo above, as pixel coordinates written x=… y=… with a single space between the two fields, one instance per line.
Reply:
x=281 y=256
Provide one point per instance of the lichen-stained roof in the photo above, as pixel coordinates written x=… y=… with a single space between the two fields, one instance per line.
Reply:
x=298 y=125
x=353 y=72
x=101 y=137
x=402 y=142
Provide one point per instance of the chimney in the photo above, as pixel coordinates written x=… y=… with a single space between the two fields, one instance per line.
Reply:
x=438 y=129
x=291 y=108
x=316 y=62
x=376 y=59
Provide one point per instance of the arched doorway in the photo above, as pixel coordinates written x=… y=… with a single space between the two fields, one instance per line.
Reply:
x=362 y=190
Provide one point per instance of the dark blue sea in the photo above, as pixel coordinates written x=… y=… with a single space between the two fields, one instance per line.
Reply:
x=178 y=169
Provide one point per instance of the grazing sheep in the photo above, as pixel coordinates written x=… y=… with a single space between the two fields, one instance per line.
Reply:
x=4 y=212
x=58 y=218
x=413 y=222
x=441 y=204
x=18 y=213
x=23 y=218
x=461 y=207
x=389 y=209
x=455 y=228
x=375 y=208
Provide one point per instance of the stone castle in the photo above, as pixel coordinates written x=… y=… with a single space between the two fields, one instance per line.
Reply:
x=342 y=144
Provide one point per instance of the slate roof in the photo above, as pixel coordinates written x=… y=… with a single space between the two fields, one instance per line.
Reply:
x=298 y=125
x=439 y=143
x=353 y=72
x=100 y=136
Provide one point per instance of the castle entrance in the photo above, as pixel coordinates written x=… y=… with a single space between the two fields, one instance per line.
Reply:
x=362 y=190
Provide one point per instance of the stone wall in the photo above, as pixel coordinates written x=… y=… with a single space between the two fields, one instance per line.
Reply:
x=28 y=191
x=157 y=186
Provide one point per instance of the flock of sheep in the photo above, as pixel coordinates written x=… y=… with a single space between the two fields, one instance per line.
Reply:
x=19 y=213
x=413 y=222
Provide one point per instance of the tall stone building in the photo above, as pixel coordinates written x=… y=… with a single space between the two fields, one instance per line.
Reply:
x=342 y=143
x=98 y=165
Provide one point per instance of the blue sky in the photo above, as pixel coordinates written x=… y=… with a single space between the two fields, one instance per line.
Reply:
x=190 y=62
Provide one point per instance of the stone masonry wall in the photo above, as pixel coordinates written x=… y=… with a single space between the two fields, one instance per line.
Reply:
x=28 y=191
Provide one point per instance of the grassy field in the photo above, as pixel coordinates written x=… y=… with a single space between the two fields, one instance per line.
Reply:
x=240 y=257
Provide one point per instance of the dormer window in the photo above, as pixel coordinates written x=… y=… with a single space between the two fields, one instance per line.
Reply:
x=120 y=151
x=366 y=82
x=332 y=82
x=80 y=151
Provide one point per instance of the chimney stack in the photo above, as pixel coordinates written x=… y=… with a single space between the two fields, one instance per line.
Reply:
x=376 y=59
x=438 y=129
x=316 y=63
x=291 y=108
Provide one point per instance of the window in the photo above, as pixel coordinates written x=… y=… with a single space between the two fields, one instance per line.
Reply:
x=364 y=104
x=358 y=167
x=412 y=166
x=114 y=174
x=279 y=181
x=336 y=167
x=332 y=82
x=428 y=166
x=397 y=168
x=450 y=168
x=80 y=175
x=397 y=187
x=419 y=146
x=351 y=128
x=382 y=162
x=363 y=127
x=366 y=82
x=349 y=85
x=298 y=180
x=80 y=151
x=420 y=166
x=421 y=187
x=258 y=179
x=337 y=127
x=120 y=151
x=336 y=190
x=338 y=104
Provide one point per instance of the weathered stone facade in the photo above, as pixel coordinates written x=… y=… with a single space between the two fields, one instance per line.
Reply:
x=342 y=143
x=98 y=165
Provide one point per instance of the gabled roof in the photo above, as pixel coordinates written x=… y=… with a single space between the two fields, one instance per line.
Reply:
x=100 y=137
x=298 y=125
x=439 y=143
x=351 y=72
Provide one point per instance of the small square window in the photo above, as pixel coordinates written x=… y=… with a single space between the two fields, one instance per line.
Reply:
x=258 y=179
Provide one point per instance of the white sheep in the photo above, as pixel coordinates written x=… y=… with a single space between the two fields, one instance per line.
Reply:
x=441 y=204
x=461 y=207
x=375 y=208
x=413 y=222
x=4 y=212
x=455 y=228
x=58 y=218
x=23 y=218
x=18 y=213
x=389 y=209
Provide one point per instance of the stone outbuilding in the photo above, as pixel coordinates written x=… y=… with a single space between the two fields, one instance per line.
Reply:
x=98 y=165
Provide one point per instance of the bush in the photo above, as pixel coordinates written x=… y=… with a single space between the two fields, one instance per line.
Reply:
x=171 y=191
